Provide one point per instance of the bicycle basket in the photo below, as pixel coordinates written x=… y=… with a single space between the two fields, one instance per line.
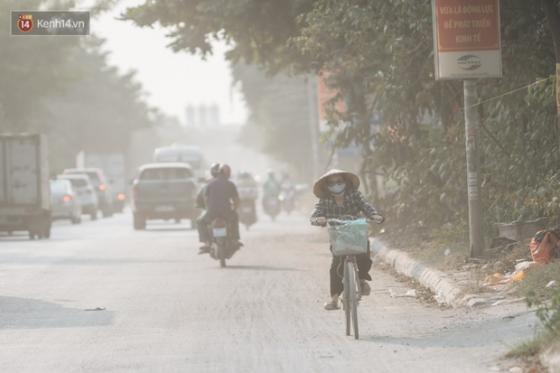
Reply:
x=350 y=238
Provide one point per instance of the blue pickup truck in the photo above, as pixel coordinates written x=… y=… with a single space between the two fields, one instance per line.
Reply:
x=164 y=191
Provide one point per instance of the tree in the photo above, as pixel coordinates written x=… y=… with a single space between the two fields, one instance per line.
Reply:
x=97 y=111
x=279 y=112
x=257 y=30
x=64 y=87
x=31 y=69
x=552 y=12
x=379 y=57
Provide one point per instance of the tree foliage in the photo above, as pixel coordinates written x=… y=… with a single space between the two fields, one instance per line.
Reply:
x=379 y=56
x=258 y=30
x=64 y=87
x=279 y=115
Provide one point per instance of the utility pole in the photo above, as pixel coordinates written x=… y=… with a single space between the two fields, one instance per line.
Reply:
x=469 y=53
x=313 y=124
x=472 y=124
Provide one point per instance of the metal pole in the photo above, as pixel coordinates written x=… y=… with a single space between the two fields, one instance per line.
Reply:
x=472 y=123
x=313 y=124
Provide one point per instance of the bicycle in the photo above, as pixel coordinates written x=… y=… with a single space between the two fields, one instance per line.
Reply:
x=349 y=238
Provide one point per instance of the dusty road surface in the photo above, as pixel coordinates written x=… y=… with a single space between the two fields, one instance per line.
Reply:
x=101 y=297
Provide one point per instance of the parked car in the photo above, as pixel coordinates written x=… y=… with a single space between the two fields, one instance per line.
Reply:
x=164 y=191
x=85 y=193
x=64 y=201
x=114 y=169
x=99 y=181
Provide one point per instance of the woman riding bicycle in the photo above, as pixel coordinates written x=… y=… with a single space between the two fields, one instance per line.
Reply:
x=339 y=197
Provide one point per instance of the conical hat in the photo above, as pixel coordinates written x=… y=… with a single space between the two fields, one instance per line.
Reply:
x=320 y=187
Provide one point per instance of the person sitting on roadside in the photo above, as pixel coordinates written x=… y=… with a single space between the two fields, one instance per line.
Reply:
x=339 y=196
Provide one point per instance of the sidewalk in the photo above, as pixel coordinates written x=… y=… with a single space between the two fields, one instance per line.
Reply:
x=454 y=289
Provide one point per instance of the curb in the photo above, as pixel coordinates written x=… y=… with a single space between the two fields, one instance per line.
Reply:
x=447 y=291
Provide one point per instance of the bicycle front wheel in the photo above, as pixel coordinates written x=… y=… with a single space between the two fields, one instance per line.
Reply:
x=346 y=299
x=353 y=301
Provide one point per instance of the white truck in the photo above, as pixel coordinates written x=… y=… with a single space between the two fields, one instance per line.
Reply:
x=114 y=169
x=182 y=153
x=25 y=201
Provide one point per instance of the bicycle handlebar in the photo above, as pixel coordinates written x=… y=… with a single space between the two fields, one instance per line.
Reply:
x=343 y=220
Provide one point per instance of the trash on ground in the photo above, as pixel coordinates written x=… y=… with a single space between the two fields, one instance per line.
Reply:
x=495 y=279
x=95 y=309
x=523 y=266
x=551 y=284
x=410 y=293
x=518 y=276
x=476 y=301
x=508 y=301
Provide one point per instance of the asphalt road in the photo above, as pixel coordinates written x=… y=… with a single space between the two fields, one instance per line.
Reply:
x=100 y=297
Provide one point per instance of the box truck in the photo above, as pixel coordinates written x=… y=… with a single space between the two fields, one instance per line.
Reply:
x=25 y=201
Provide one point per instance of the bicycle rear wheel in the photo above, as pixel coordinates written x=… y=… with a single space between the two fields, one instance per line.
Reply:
x=346 y=299
x=353 y=301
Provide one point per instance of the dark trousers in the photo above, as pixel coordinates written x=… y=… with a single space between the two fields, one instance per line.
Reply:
x=364 y=263
x=203 y=225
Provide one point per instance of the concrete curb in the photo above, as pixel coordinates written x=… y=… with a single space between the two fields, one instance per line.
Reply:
x=446 y=291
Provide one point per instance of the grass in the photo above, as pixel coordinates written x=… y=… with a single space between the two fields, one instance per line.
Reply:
x=536 y=280
x=444 y=248
x=534 y=346
x=534 y=287
x=526 y=349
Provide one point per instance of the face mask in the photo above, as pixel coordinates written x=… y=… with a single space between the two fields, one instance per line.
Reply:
x=337 y=188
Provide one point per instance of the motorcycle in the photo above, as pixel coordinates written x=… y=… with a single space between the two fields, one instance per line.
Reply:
x=222 y=247
x=272 y=206
x=288 y=200
x=247 y=212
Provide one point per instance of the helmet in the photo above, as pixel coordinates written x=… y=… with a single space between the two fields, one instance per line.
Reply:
x=225 y=170
x=215 y=169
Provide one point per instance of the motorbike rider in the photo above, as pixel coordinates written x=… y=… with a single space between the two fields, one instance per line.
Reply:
x=272 y=186
x=288 y=193
x=247 y=186
x=200 y=198
x=222 y=200
x=339 y=196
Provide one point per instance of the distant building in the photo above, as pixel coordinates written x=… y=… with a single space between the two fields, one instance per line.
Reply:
x=202 y=116
x=190 y=116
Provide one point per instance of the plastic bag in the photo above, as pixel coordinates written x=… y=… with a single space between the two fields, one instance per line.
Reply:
x=350 y=238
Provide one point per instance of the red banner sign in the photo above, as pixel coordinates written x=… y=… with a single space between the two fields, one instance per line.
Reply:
x=467 y=25
x=467 y=38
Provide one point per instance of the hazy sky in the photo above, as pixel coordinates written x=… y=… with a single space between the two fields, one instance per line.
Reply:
x=172 y=80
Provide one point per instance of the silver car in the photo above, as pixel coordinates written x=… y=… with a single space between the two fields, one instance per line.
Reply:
x=64 y=201
x=86 y=193
x=104 y=194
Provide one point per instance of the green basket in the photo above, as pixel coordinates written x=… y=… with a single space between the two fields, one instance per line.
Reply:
x=350 y=238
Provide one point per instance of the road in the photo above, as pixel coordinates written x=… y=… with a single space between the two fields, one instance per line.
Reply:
x=100 y=297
